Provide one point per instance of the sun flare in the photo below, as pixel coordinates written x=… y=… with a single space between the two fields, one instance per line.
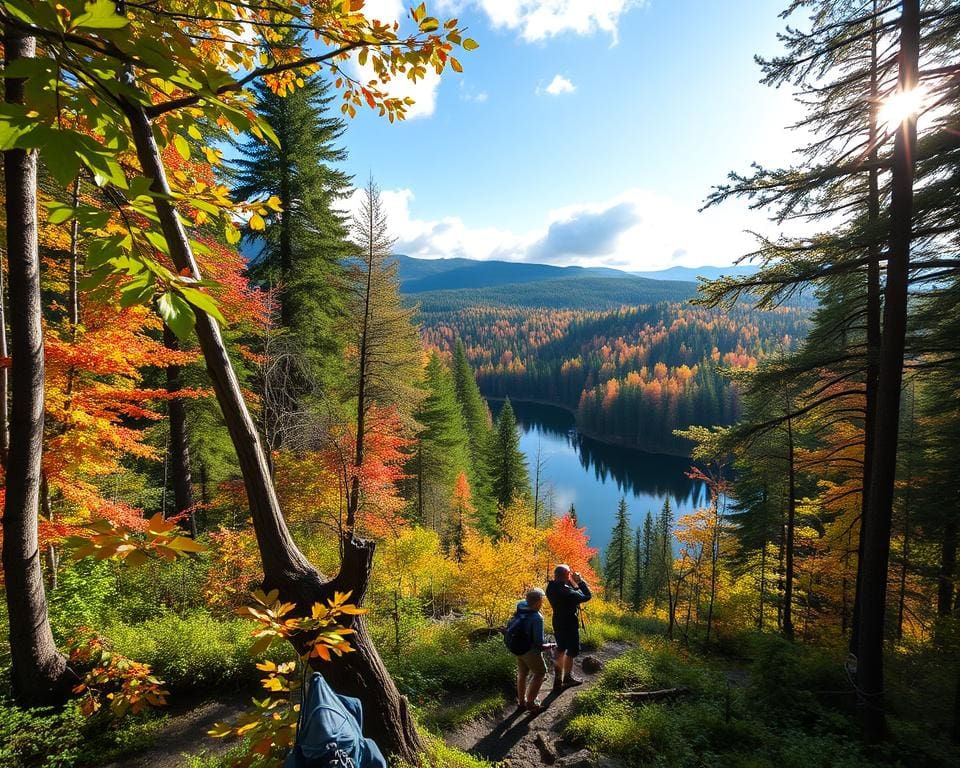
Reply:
x=900 y=105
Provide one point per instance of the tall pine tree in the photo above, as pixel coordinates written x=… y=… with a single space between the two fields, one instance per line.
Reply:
x=442 y=451
x=618 y=564
x=508 y=465
x=476 y=417
x=303 y=247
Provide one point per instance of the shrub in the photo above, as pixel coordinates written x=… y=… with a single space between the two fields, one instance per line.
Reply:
x=194 y=651
x=38 y=738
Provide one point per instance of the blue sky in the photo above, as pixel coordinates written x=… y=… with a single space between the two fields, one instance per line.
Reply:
x=583 y=132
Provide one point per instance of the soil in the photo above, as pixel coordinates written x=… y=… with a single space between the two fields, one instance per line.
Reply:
x=523 y=739
x=186 y=733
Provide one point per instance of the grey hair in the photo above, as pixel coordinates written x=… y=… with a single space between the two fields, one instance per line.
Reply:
x=535 y=594
x=561 y=571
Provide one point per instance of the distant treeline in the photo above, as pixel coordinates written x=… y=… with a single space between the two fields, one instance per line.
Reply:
x=632 y=375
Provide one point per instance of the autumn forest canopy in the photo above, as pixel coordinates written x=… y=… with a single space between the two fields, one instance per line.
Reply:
x=257 y=412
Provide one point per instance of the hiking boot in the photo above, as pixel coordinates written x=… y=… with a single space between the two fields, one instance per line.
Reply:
x=557 y=684
x=536 y=708
x=572 y=681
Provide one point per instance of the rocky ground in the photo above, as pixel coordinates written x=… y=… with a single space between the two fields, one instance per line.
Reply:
x=524 y=740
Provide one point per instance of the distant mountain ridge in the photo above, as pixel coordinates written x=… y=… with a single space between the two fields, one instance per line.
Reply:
x=421 y=275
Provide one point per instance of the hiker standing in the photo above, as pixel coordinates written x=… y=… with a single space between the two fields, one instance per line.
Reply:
x=524 y=638
x=565 y=593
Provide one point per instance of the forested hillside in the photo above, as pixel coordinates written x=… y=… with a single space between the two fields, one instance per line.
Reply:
x=221 y=475
x=632 y=375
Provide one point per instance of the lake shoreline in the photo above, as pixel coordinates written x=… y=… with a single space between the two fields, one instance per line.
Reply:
x=606 y=440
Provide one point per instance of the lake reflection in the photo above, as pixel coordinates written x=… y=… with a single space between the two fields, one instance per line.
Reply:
x=593 y=475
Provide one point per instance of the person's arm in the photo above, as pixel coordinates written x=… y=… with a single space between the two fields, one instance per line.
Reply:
x=584 y=592
x=536 y=632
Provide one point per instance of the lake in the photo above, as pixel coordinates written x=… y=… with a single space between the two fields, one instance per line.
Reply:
x=593 y=475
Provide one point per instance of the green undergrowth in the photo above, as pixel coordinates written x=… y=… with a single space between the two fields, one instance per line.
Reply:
x=195 y=651
x=444 y=717
x=604 y=623
x=38 y=738
x=791 y=707
x=445 y=660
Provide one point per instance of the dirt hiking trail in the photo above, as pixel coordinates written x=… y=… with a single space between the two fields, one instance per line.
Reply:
x=525 y=740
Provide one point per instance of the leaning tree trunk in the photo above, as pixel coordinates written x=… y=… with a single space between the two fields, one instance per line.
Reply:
x=39 y=673
x=876 y=549
x=285 y=568
x=179 y=439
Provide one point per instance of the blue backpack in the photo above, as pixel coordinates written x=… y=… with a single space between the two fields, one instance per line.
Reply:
x=516 y=636
x=330 y=731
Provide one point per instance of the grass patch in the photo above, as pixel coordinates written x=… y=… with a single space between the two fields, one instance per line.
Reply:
x=445 y=660
x=194 y=651
x=788 y=715
x=605 y=622
x=445 y=717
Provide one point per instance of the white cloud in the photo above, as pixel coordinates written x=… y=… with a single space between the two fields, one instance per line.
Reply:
x=539 y=19
x=635 y=230
x=558 y=86
x=469 y=93
x=384 y=10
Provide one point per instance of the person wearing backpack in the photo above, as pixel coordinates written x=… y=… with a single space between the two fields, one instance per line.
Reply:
x=566 y=592
x=524 y=638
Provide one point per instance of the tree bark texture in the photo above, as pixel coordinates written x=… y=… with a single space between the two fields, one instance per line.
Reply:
x=39 y=672
x=179 y=439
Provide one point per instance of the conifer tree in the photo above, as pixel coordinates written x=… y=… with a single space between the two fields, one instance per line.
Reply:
x=508 y=465
x=662 y=563
x=442 y=451
x=476 y=416
x=637 y=583
x=382 y=330
x=649 y=566
x=618 y=566
x=302 y=248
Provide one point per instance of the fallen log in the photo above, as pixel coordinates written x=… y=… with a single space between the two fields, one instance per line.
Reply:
x=646 y=697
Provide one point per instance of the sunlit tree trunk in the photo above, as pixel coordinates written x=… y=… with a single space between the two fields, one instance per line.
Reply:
x=39 y=673
x=876 y=549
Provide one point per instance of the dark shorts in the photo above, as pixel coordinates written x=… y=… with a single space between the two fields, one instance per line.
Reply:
x=568 y=640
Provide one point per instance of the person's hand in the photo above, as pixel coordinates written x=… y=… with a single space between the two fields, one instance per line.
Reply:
x=578 y=577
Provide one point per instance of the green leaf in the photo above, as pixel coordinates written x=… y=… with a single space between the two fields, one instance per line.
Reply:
x=470 y=44
x=177 y=314
x=59 y=155
x=16 y=129
x=182 y=146
x=138 y=291
x=158 y=241
x=429 y=24
x=100 y=14
x=102 y=251
x=202 y=301
x=59 y=212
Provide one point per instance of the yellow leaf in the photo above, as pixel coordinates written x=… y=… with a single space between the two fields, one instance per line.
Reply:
x=257 y=223
x=470 y=44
